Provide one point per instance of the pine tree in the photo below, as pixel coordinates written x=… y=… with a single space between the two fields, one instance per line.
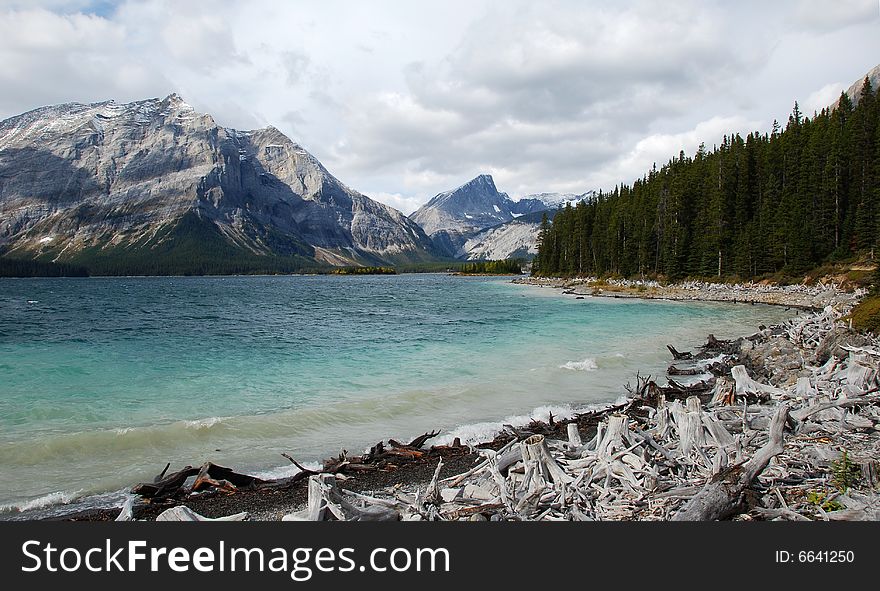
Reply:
x=779 y=202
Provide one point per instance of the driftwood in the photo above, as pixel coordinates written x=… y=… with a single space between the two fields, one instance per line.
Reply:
x=204 y=481
x=184 y=513
x=419 y=441
x=746 y=386
x=804 y=413
x=722 y=495
x=165 y=487
x=328 y=502
x=679 y=355
x=208 y=475
x=161 y=474
x=127 y=512
x=674 y=389
x=724 y=393
x=540 y=464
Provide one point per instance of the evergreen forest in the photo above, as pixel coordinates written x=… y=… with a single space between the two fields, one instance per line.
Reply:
x=770 y=204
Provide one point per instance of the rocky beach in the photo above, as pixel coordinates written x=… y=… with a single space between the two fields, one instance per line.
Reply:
x=808 y=297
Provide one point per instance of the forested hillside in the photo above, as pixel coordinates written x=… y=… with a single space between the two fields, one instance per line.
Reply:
x=782 y=202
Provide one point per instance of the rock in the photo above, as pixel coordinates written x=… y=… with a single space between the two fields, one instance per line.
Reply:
x=514 y=239
x=835 y=340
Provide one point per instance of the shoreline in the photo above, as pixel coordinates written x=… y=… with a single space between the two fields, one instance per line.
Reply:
x=279 y=498
x=810 y=298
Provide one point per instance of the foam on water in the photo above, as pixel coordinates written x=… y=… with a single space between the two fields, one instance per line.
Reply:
x=55 y=498
x=475 y=433
x=203 y=423
x=287 y=471
x=588 y=364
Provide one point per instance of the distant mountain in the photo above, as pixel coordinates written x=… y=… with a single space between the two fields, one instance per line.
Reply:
x=154 y=186
x=450 y=217
x=476 y=221
x=511 y=240
x=527 y=205
x=543 y=201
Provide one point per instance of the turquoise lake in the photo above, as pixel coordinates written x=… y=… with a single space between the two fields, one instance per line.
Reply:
x=104 y=380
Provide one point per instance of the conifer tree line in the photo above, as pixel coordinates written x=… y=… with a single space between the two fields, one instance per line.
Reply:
x=497 y=267
x=778 y=203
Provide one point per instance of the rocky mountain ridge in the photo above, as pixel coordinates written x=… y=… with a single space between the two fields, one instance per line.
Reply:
x=476 y=221
x=100 y=181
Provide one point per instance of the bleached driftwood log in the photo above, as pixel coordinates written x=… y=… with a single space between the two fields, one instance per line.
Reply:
x=327 y=502
x=537 y=458
x=803 y=413
x=127 y=512
x=184 y=513
x=574 y=436
x=745 y=385
x=724 y=393
x=721 y=497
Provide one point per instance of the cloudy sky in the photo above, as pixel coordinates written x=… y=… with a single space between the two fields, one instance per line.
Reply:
x=404 y=99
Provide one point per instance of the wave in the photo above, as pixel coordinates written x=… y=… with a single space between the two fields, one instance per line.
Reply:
x=203 y=423
x=286 y=471
x=55 y=498
x=588 y=364
x=64 y=502
x=203 y=434
x=476 y=433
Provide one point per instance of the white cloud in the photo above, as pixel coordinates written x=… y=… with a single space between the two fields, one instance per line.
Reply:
x=822 y=98
x=820 y=15
x=661 y=147
x=49 y=58
x=405 y=204
x=402 y=100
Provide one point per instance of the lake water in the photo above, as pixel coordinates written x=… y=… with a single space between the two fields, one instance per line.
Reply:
x=104 y=380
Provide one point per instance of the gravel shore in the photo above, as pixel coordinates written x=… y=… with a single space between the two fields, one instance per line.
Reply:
x=812 y=297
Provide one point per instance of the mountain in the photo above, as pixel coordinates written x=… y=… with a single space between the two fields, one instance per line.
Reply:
x=855 y=90
x=452 y=216
x=528 y=205
x=516 y=239
x=154 y=186
x=544 y=201
x=476 y=221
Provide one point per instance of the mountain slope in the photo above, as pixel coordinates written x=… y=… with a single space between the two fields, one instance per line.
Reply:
x=476 y=204
x=516 y=239
x=476 y=221
x=544 y=201
x=855 y=90
x=109 y=181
